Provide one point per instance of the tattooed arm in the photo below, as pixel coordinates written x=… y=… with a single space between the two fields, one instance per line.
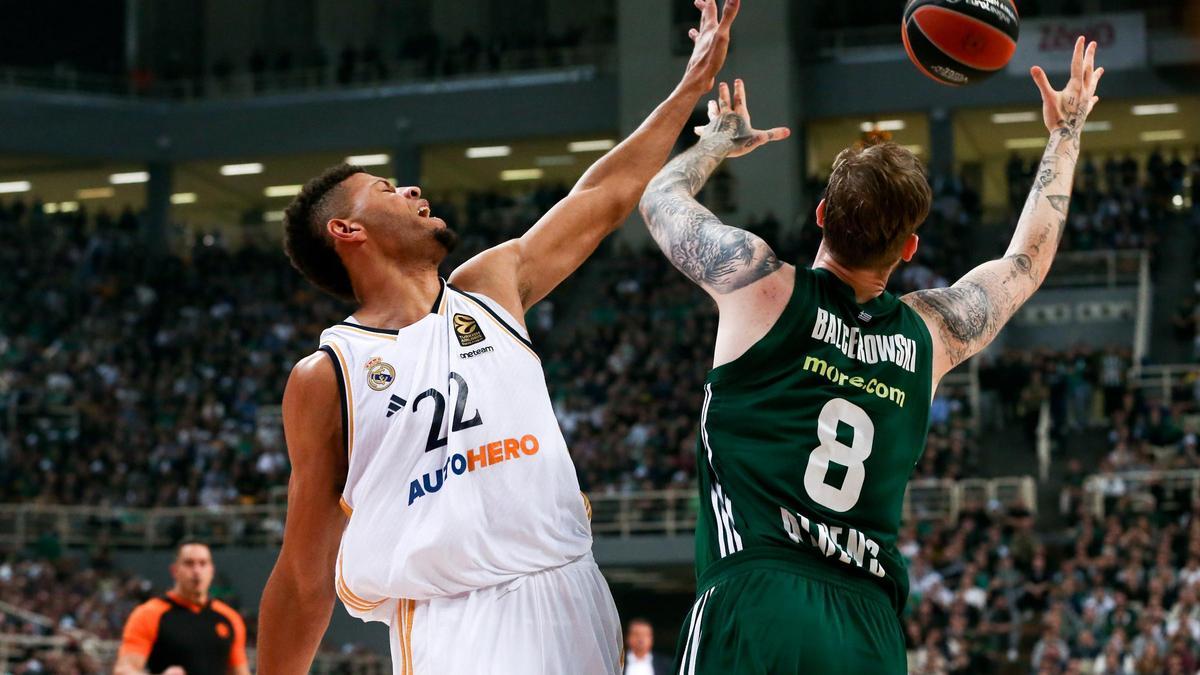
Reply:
x=966 y=317
x=719 y=258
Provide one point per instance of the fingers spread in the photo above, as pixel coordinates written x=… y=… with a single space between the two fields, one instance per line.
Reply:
x=1042 y=82
x=708 y=13
x=730 y=13
x=1077 y=60
x=726 y=106
x=1096 y=78
x=693 y=34
x=714 y=110
x=778 y=133
x=1089 y=62
x=739 y=98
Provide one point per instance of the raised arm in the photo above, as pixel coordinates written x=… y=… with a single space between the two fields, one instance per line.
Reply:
x=966 y=317
x=298 y=599
x=521 y=272
x=719 y=258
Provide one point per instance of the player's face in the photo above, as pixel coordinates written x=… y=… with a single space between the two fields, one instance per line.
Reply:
x=193 y=569
x=398 y=219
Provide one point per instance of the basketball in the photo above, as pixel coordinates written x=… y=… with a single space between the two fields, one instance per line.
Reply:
x=960 y=42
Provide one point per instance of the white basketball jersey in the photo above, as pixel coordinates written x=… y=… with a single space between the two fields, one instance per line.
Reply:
x=459 y=476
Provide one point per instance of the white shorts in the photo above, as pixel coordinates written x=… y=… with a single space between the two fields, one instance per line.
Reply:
x=560 y=621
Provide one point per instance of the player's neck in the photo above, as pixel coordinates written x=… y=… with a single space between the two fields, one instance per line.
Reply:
x=396 y=296
x=867 y=284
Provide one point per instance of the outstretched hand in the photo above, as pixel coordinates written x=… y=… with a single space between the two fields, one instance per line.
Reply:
x=1070 y=107
x=731 y=117
x=712 y=42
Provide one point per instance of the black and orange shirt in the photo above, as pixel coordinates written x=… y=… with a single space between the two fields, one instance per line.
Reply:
x=171 y=631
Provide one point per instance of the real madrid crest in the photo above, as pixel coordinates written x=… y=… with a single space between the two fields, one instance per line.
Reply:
x=466 y=329
x=380 y=375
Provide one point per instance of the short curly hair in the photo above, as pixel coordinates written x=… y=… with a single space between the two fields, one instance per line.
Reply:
x=304 y=239
x=877 y=197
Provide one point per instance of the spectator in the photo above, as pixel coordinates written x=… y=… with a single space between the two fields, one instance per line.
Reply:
x=640 y=658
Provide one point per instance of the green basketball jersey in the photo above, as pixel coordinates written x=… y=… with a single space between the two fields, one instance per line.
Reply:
x=807 y=440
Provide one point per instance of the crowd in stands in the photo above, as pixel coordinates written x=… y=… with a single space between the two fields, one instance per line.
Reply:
x=1114 y=588
x=1117 y=201
x=140 y=382
x=419 y=57
x=143 y=382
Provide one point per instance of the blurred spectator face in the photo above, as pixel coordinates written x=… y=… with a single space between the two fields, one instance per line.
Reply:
x=639 y=637
x=193 y=570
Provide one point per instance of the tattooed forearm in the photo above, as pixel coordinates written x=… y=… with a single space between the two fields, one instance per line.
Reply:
x=720 y=258
x=966 y=317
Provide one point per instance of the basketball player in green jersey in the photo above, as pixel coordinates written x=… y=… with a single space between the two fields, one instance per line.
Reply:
x=817 y=408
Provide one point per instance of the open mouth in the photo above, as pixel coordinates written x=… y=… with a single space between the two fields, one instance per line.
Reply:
x=423 y=211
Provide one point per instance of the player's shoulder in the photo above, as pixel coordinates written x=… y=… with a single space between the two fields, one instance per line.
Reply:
x=314 y=370
x=227 y=612
x=312 y=385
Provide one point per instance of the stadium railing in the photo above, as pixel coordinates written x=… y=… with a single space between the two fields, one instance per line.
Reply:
x=659 y=512
x=1142 y=491
x=16 y=649
x=1166 y=381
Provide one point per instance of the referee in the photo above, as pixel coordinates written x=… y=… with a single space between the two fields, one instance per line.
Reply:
x=184 y=632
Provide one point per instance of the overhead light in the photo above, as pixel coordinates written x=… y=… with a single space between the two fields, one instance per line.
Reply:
x=599 y=145
x=369 y=160
x=273 y=216
x=521 y=174
x=914 y=149
x=486 y=151
x=1025 y=143
x=1160 y=136
x=883 y=125
x=248 y=169
x=1177 y=200
x=129 y=178
x=50 y=207
x=183 y=198
x=555 y=160
x=283 y=190
x=1156 y=109
x=1102 y=125
x=68 y=207
x=1014 y=117
x=95 y=193
x=15 y=186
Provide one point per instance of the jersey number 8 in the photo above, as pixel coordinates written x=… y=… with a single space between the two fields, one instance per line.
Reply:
x=840 y=499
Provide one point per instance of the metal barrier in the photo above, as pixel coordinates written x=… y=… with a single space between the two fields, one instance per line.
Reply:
x=1109 y=268
x=659 y=512
x=1145 y=490
x=15 y=649
x=1167 y=381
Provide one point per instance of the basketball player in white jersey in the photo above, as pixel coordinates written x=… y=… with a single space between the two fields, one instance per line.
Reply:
x=431 y=487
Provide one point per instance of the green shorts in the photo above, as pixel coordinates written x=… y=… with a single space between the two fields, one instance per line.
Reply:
x=762 y=612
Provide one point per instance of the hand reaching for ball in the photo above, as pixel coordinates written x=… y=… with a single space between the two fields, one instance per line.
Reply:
x=1069 y=108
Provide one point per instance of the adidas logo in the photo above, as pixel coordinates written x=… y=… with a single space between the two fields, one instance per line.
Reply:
x=395 y=405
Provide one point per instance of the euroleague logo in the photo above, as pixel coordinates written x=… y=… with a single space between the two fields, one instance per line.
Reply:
x=467 y=330
x=380 y=375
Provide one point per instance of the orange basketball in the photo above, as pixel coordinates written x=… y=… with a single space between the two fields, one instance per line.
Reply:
x=960 y=42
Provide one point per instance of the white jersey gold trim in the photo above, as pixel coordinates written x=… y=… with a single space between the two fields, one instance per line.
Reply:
x=459 y=477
